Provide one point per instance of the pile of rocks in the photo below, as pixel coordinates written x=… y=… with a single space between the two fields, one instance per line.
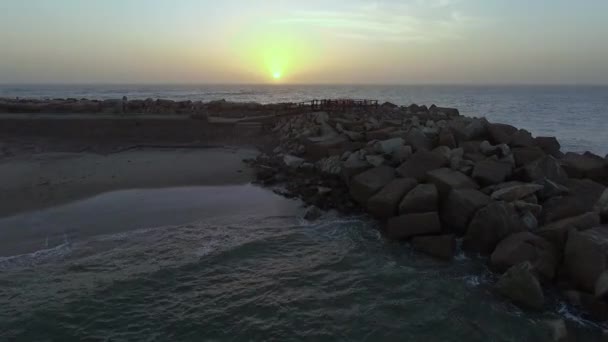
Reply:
x=432 y=176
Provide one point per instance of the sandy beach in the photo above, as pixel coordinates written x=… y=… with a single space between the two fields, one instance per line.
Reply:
x=42 y=180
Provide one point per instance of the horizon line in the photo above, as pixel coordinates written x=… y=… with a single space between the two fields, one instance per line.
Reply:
x=278 y=84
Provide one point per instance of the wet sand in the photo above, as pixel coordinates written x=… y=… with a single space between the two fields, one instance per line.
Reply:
x=31 y=182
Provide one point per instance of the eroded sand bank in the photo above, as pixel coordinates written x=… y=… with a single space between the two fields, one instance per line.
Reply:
x=42 y=180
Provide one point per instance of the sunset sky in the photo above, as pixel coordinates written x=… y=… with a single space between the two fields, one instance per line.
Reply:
x=313 y=41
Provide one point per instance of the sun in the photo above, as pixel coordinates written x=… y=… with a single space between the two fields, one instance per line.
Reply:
x=276 y=75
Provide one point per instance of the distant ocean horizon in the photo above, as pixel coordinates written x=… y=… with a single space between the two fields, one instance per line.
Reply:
x=576 y=114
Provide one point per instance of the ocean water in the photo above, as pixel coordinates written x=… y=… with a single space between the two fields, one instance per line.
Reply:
x=252 y=271
x=576 y=115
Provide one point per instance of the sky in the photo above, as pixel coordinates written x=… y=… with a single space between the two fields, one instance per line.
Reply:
x=304 y=41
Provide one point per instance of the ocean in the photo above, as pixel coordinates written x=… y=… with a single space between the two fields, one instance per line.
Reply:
x=576 y=115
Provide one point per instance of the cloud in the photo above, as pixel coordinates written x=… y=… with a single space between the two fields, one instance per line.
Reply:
x=414 y=21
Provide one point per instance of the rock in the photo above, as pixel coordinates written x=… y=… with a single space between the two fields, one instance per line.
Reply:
x=490 y=225
x=585 y=257
x=441 y=246
x=516 y=192
x=551 y=189
x=501 y=133
x=471 y=147
x=312 y=213
x=602 y=206
x=292 y=161
x=557 y=330
x=601 y=285
x=525 y=246
x=526 y=155
x=354 y=136
x=450 y=112
x=583 y=196
x=421 y=199
x=322 y=147
x=402 y=154
x=375 y=160
x=353 y=166
x=521 y=286
x=489 y=171
x=331 y=165
x=380 y=134
x=444 y=151
x=523 y=206
x=550 y=145
x=389 y=146
x=585 y=166
x=410 y=225
x=384 y=204
x=476 y=129
x=446 y=138
x=595 y=307
x=418 y=140
x=522 y=138
x=447 y=180
x=366 y=184
x=420 y=163
x=544 y=168
x=529 y=220
x=557 y=232
x=460 y=206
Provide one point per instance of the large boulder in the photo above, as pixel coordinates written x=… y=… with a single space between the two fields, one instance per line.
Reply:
x=388 y=146
x=410 y=225
x=490 y=225
x=525 y=246
x=515 y=192
x=526 y=155
x=489 y=171
x=545 y=167
x=460 y=206
x=446 y=180
x=353 y=166
x=557 y=231
x=522 y=138
x=440 y=246
x=520 y=285
x=585 y=166
x=380 y=134
x=476 y=129
x=420 y=163
x=583 y=196
x=550 y=145
x=421 y=199
x=602 y=206
x=418 y=140
x=500 y=133
x=586 y=257
x=325 y=146
x=384 y=203
x=446 y=138
x=366 y=184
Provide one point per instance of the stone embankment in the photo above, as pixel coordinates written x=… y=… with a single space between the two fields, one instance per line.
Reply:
x=149 y=106
x=434 y=177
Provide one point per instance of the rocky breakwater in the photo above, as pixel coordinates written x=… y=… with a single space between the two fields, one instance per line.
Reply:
x=433 y=176
x=220 y=108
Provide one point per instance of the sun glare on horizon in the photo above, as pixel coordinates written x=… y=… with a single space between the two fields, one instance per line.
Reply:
x=276 y=75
